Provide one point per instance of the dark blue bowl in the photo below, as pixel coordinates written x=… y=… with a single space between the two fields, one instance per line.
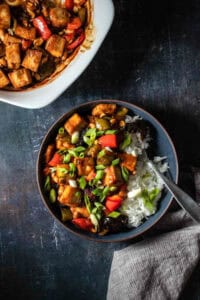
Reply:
x=164 y=147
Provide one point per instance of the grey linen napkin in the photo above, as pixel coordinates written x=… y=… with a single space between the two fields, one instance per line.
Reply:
x=158 y=267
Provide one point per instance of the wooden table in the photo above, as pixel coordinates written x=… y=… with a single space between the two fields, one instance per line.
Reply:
x=150 y=57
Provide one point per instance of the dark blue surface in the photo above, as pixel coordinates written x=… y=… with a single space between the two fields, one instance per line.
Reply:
x=164 y=147
x=151 y=58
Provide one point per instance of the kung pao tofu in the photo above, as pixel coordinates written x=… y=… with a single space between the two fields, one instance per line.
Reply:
x=86 y=169
x=39 y=38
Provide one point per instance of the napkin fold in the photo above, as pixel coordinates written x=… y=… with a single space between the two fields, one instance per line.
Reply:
x=159 y=266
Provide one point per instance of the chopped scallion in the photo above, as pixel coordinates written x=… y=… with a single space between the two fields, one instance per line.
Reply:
x=114 y=214
x=52 y=196
x=61 y=130
x=82 y=183
x=125 y=173
x=115 y=162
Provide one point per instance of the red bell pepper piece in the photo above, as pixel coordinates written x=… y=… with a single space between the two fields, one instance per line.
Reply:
x=41 y=25
x=77 y=42
x=74 y=24
x=113 y=202
x=108 y=140
x=69 y=4
x=26 y=44
x=69 y=37
x=56 y=159
x=83 y=223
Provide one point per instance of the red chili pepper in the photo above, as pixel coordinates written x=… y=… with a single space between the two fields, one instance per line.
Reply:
x=74 y=24
x=56 y=159
x=26 y=44
x=108 y=140
x=41 y=25
x=113 y=202
x=83 y=223
x=77 y=42
x=69 y=4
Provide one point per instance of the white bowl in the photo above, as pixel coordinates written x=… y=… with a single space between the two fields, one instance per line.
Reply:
x=103 y=14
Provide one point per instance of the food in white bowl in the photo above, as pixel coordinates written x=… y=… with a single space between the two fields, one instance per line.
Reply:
x=68 y=44
x=39 y=39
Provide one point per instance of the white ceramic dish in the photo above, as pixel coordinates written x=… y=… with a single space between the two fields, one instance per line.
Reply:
x=103 y=14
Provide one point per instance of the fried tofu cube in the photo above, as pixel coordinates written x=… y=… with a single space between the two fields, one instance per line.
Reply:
x=20 y=78
x=3 y=62
x=9 y=39
x=128 y=161
x=49 y=153
x=5 y=16
x=104 y=109
x=74 y=123
x=84 y=165
x=32 y=60
x=25 y=33
x=70 y=196
x=55 y=45
x=3 y=79
x=13 y=56
x=113 y=176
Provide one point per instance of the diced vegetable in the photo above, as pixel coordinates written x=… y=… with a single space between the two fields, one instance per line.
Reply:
x=74 y=24
x=26 y=44
x=113 y=202
x=75 y=137
x=108 y=140
x=66 y=214
x=69 y=4
x=82 y=182
x=56 y=159
x=41 y=25
x=102 y=124
x=52 y=195
x=78 y=41
x=125 y=173
x=126 y=142
x=83 y=223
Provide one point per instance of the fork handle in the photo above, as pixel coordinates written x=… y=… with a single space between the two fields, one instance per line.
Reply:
x=183 y=199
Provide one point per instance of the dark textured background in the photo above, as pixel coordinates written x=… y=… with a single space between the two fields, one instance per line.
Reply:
x=150 y=57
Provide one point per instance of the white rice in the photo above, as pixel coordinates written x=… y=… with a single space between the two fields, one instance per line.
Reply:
x=144 y=180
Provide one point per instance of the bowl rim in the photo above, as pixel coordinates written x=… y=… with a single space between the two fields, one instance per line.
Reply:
x=102 y=16
x=92 y=103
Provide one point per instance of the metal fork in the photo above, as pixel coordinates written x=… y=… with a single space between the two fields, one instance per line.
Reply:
x=183 y=199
